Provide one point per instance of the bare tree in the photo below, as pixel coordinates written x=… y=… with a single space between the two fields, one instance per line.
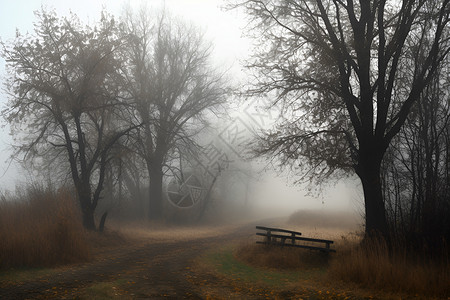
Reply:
x=172 y=84
x=415 y=173
x=64 y=99
x=337 y=69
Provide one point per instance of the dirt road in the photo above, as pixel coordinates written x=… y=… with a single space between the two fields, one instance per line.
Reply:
x=143 y=271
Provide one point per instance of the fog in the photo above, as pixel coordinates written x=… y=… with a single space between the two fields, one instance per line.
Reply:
x=272 y=193
x=267 y=192
x=176 y=149
x=222 y=28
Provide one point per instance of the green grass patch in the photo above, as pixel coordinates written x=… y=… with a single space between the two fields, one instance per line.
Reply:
x=225 y=262
x=304 y=282
x=104 y=290
x=18 y=275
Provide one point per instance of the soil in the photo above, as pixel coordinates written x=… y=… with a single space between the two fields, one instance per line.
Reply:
x=142 y=270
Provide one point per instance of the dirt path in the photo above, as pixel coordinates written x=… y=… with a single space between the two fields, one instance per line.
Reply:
x=145 y=271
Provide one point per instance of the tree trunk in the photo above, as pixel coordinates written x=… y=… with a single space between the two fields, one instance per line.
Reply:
x=87 y=209
x=207 y=198
x=368 y=170
x=88 y=217
x=155 y=195
x=101 y=226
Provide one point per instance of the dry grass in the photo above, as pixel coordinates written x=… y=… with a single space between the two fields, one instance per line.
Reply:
x=372 y=265
x=292 y=258
x=326 y=219
x=39 y=227
x=160 y=232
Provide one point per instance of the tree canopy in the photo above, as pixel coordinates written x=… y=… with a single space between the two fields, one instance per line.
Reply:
x=76 y=91
x=64 y=96
x=172 y=83
x=347 y=77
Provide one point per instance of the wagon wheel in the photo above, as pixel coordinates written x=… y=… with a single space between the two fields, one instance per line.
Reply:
x=187 y=193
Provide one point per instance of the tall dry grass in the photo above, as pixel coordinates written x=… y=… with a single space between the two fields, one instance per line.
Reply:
x=372 y=264
x=397 y=270
x=40 y=227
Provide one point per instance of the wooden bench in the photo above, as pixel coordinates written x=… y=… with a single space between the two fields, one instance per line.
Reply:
x=283 y=237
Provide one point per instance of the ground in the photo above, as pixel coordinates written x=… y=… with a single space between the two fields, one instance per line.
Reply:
x=160 y=267
x=163 y=264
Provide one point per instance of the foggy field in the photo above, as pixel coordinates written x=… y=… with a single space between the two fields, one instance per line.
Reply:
x=224 y=149
x=45 y=252
x=148 y=259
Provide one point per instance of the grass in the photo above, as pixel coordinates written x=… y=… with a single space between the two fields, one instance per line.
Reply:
x=325 y=219
x=303 y=281
x=159 y=232
x=375 y=267
x=282 y=258
x=104 y=291
x=372 y=265
x=19 y=275
x=41 y=228
x=227 y=264
x=367 y=269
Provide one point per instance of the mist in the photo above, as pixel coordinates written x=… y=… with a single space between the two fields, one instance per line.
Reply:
x=210 y=149
x=266 y=187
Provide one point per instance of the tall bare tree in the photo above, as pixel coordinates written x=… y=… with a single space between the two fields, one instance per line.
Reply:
x=172 y=84
x=415 y=172
x=336 y=66
x=64 y=98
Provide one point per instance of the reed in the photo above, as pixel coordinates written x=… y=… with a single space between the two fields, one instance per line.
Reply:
x=40 y=227
x=372 y=264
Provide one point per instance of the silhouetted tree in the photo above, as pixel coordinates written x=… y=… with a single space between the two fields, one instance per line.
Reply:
x=415 y=172
x=336 y=68
x=64 y=98
x=172 y=84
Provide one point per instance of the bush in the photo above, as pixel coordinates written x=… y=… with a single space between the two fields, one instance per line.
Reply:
x=40 y=227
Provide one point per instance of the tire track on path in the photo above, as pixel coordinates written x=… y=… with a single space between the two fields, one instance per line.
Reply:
x=151 y=270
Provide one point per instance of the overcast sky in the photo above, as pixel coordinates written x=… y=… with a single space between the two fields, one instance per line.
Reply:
x=223 y=28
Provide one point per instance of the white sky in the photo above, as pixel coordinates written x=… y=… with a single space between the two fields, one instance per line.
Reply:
x=223 y=28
